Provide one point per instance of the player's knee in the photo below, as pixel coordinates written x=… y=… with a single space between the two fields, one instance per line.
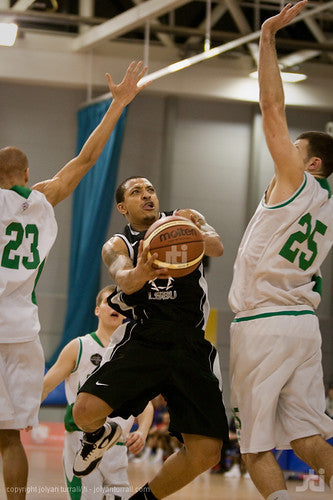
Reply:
x=252 y=459
x=309 y=447
x=214 y=455
x=89 y=410
x=9 y=438
x=302 y=445
x=80 y=412
x=249 y=458
x=207 y=454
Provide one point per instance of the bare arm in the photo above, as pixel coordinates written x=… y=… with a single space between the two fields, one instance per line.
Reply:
x=213 y=242
x=66 y=180
x=62 y=368
x=288 y=164
x=130 y=279
x=136 y=440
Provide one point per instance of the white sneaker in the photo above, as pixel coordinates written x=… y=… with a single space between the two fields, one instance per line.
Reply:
x=90 y=454
x=233 y=472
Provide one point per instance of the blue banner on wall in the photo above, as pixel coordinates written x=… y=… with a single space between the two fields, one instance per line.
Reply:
x=92 y=206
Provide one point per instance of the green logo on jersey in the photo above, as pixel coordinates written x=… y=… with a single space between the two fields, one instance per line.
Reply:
x=308 y=235
x=10 y=259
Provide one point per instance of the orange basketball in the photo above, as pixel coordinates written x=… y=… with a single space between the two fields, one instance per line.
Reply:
x=178 y=243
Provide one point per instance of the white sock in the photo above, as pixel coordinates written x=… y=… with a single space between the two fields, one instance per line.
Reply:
x=146 y=452
x=159 y=453
x=279 y=495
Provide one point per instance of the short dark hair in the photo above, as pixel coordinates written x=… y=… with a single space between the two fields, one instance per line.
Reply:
x=121 y=188
x=12 y=161
x=320 y=145
x=109 y=289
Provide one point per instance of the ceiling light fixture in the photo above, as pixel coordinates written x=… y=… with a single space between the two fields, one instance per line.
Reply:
x=8 y=32
x=285 y=76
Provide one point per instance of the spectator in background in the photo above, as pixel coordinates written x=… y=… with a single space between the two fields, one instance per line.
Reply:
x=160 y=443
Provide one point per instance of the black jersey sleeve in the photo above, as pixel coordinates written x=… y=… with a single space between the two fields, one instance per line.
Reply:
x=125 y=304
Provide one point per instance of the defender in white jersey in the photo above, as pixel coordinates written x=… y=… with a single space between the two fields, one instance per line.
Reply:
x=27 y=233
x=276 y=375
x=75 y=363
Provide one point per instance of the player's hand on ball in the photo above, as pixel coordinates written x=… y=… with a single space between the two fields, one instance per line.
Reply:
x=175 y=243
x=146 y=266
x=196 y=221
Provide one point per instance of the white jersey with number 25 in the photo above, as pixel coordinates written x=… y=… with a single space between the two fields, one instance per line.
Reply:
x=279 y=258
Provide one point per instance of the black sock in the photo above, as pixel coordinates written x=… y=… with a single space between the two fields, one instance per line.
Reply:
x=144 y=493
x=92 y=437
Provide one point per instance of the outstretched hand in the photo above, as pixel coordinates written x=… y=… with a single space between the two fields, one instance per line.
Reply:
x=128 y=88
x=287 y=14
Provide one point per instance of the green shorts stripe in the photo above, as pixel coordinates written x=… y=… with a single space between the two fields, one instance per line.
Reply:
x=268 y=315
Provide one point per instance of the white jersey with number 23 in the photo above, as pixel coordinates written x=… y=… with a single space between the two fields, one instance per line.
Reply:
x=27 y=232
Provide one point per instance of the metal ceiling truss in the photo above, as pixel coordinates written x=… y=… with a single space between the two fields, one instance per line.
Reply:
x=171 y=24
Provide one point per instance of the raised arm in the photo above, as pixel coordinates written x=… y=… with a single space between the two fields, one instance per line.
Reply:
x=137 y=439
x=288 y=163
x=213 y=242
x=130 y=279
x=66 y=180
x=62 y=368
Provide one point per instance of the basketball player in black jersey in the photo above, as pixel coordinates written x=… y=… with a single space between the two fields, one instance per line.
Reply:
x=162 y=349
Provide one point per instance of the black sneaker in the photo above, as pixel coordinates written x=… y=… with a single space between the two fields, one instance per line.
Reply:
x=90 y=454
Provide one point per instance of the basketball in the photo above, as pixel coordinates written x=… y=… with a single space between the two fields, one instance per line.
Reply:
x=178 y=243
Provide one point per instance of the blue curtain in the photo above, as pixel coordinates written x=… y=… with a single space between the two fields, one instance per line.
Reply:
x=92 y=205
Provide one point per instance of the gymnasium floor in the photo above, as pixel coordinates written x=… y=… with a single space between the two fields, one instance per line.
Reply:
x=46 y=481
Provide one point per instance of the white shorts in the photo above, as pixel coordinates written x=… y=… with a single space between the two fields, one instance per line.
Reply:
x=21 y=381
x=108 y=480
x=277 y=390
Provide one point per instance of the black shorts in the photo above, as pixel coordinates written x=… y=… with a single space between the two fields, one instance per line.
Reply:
x=151 y=359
